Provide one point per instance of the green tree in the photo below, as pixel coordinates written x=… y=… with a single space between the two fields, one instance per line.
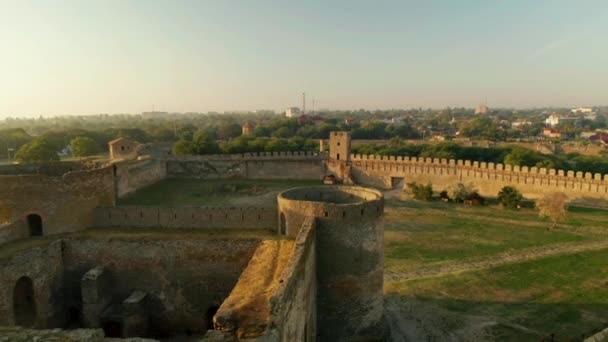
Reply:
x=509 y=197
x=37 y=151
x=204 y=143
x=421 y=191
x=282 y=132
x=459 y=192
x=522 y=157
x=84 y=146
x=229 y=131
x=183 y=147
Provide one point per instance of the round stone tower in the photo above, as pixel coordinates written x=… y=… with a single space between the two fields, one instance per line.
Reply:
x=349 y=251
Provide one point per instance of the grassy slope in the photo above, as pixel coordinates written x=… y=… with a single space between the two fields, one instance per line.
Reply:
x=565 y=295
x=418 y=234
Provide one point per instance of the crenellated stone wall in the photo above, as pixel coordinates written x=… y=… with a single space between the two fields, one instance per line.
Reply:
x=187 y=217
x=264 y=165
x=488 y=178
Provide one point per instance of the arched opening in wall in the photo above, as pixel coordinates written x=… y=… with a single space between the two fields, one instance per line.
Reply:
x=24 y=303
x=34 y=223
x=73 y=318
x=112 y=329
x=209 y=317
x=337 y=156
x=282 y=225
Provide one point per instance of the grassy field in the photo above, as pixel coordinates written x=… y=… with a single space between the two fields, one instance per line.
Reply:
x=564 y=295
x=196 y=192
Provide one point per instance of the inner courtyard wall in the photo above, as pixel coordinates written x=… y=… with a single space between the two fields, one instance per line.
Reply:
x=266 y=165
x=65 y=204
x=187 y=217
x=44 y=265
x=184 y=279
x=132 y=175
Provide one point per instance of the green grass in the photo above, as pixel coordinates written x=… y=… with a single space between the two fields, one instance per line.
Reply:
x=565 y=295
x=421 y=233
x=196 y=192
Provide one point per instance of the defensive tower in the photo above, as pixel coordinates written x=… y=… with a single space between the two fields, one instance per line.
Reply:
x=349 y=251
x=339 y=146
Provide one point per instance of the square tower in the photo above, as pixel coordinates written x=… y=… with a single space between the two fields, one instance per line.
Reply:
x=339 y=146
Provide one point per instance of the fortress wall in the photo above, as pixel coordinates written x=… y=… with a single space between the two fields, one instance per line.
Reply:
x=12 y=231
x=44 y=266
x=267 y=165
x=53 y=169
x=488 y=178
x=187 y=217
x=274 y=299
x=294 y=304
x=65 y=203
x=184 y=279
x=133 y=175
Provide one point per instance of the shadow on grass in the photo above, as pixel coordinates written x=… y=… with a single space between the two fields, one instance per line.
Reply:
x=444 y=319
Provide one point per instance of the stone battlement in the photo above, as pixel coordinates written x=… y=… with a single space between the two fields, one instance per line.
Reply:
x=289 y=155
x=384 y=162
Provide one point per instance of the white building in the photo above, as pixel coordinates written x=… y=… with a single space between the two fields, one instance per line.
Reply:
x=519 y=123
x=582 y=110
x=291 y=112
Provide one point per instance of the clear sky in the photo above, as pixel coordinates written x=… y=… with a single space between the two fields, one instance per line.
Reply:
x=106 y=56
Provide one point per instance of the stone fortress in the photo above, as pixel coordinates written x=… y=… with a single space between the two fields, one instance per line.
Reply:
x=309 y=269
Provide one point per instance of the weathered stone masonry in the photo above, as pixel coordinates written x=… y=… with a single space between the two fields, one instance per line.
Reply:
x=488 y=178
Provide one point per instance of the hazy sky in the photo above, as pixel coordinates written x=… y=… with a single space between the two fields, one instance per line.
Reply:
x=85 y=57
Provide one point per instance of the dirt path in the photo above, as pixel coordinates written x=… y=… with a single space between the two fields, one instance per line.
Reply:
x=510 y=257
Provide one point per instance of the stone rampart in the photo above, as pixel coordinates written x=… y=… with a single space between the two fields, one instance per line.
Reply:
x=186 y=279
x=132 y=175
x=266 y=165
x=63 y=203
x=488 y=178
x=53 y=169
x=283 y=306
x=43 y=266
x=187 y=217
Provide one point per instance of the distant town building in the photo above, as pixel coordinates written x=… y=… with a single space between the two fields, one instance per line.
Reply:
x=351 y=121
x=555 y=119
x=581 y=110
x=587 y=135
x=482 y=109
x=520 y=123
x=551 y=133
x=394 y=121
x=248 y=128
x=292 y=112
x=603 y=138
x=123 y=148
